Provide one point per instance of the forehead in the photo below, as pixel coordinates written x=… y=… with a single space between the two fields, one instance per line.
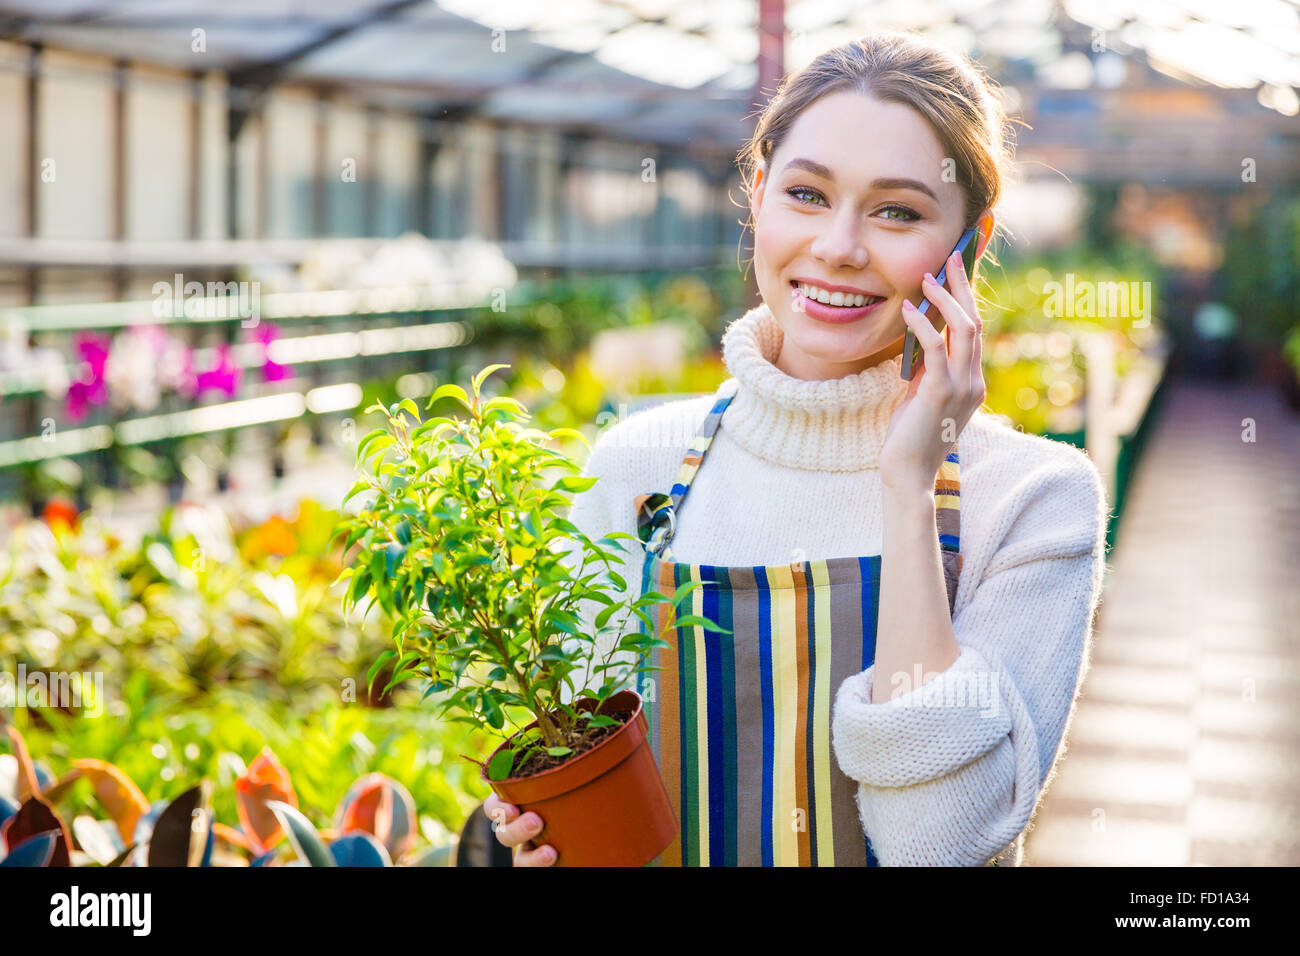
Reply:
x=860 y=138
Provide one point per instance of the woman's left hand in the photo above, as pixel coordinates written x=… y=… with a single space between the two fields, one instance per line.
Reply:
x=945 y=391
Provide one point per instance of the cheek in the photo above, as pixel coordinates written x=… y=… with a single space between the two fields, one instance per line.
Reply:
x=777 y=236
x=907 y=267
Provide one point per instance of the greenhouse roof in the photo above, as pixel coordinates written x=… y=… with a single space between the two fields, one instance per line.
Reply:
x=673 y=71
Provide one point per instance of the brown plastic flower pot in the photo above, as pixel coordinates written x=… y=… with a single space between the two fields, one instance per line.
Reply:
x=605 y=807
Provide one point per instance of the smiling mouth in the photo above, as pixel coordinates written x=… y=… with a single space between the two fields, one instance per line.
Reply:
x=844 y=300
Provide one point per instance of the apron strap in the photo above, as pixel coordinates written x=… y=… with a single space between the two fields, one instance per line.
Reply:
x=656 y=511
x=656 y=522
x=947 y=514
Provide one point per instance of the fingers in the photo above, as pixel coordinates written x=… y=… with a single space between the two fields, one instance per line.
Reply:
x=517 y=831
x=539 y=856
x=928 y=337
x=499 y=812
x=512 y=829
x=959 y=283
x=961 y=328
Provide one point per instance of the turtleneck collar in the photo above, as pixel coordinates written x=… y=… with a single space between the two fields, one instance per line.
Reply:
x=830 y=425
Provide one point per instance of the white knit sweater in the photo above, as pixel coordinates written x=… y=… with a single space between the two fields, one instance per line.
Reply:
x=792 y=474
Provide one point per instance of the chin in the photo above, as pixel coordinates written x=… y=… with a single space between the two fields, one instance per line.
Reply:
x=832 y=343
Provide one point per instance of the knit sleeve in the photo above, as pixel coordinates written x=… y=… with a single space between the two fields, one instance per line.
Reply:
x=949 y=772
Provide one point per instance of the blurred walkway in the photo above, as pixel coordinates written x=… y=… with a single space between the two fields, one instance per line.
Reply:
x=1185 y=747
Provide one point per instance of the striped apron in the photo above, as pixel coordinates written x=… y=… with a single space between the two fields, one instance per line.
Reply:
x=740 y=722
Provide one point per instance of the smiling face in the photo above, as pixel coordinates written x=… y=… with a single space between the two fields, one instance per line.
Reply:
x=854 y=198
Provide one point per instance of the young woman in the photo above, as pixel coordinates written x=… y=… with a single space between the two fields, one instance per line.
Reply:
x=894 y=690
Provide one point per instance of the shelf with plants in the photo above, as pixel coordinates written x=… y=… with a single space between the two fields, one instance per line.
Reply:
x=548 y=320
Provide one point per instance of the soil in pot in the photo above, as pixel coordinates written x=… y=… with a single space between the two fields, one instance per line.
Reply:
x=539 y=761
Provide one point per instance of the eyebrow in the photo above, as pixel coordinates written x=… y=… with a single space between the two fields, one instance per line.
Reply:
x=887 y=182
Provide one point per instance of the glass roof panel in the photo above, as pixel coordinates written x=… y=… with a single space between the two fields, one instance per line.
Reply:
x=575 y=60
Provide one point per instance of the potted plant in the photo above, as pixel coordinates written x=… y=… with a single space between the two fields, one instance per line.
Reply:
x=465 y=548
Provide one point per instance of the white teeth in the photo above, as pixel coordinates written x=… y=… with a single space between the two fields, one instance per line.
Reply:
x=835 y=298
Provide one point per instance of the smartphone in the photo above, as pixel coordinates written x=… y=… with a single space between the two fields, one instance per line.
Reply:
x=967 y=246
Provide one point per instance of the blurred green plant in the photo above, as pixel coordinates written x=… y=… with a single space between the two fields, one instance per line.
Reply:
x=1036 y=316
x=1261 y=271
x=192 y=606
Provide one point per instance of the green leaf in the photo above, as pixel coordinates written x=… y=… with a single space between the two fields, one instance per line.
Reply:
x=356 y=489
x=505 y=403
x=574 y=483
x=393 y=556
x=559 y=751
x=500 y=764
x=449 y=391
x=409 y=405
x=603 y=617
x=684 y=590
x=478 y=379
x=690 y=620
x=432 y=428
x=379 y=444
x=365 y=442
x=378 y=665
x=355 y=536
x=570 y=433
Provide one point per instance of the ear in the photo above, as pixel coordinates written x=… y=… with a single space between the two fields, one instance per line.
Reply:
x=760 y=187
x=985 y=236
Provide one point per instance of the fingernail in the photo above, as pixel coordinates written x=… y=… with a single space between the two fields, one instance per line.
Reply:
x=908 y=305
x=930 y=278
x=548 y=854
x=534 y=823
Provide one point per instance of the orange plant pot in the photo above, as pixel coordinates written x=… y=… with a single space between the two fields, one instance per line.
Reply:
x=605 y=807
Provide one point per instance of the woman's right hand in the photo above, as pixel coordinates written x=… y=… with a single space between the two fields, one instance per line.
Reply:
x=517 y=832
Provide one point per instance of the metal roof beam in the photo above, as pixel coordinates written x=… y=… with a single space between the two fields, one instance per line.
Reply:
x=266 y=73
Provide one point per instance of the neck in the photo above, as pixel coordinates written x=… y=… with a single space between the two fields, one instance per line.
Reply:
x=824 y=424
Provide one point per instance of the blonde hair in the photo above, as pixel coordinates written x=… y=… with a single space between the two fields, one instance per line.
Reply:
x=954 y=94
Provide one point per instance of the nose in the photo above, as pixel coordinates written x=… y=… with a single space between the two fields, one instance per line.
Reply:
x=841 y=245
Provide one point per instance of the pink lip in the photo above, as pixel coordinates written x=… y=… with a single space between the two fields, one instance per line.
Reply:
x=834 y=313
